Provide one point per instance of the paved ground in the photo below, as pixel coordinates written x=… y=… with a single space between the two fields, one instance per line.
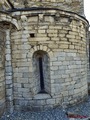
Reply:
x=52 y=114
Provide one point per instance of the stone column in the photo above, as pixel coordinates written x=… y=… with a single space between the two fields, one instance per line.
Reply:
x=8 y=74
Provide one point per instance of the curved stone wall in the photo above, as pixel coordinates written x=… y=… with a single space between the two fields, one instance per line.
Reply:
x=62 y=35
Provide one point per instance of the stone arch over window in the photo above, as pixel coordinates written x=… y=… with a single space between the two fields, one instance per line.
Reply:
x=41 y=71
x=43 y=48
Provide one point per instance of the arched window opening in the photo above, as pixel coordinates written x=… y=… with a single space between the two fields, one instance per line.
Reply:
x=41 y=72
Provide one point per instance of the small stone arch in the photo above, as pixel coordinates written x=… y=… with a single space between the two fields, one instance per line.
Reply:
x=41 y=70
x=43 y=48
x=5 y=18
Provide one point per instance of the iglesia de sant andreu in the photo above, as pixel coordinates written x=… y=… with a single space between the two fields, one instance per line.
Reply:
x=44 y=49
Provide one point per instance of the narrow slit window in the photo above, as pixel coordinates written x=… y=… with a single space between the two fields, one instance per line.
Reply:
x=41 y=74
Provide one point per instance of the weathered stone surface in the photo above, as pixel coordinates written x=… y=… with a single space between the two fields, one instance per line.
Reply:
x=48 y=49
x=2 y=75
x=68 y=5
x=66 y=57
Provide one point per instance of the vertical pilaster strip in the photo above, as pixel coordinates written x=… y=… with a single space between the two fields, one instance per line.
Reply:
x=8 y=74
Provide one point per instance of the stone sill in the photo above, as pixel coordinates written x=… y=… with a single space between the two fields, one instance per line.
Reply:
x=42 y=96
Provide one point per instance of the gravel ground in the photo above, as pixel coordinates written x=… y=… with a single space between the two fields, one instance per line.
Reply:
x=51 y=114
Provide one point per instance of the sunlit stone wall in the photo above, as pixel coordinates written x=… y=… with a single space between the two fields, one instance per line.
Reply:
x=63 y=38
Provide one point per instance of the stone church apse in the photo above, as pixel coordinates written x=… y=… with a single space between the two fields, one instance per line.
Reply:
x=44 y=60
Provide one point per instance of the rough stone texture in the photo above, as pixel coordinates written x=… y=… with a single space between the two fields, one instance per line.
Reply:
x=8 y=75
x=59 y=38
x=68 y=5
x=2 y=73
x=63 y=39
x=5 y=52
x=88 y=60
